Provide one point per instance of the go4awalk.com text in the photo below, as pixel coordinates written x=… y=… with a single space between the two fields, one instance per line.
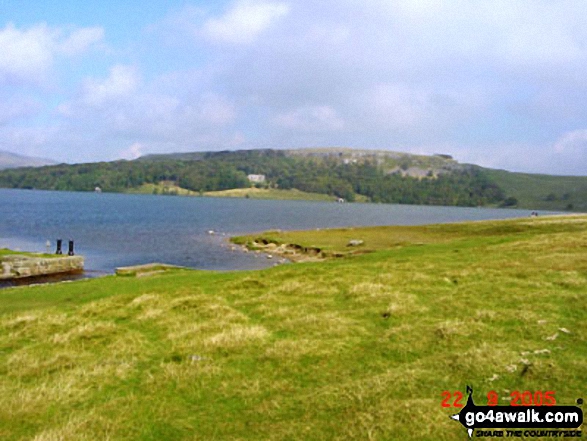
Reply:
x=530 y=415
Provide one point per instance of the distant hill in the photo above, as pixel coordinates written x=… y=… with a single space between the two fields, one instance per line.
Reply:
x=351 y=174
x=189 y=156
x=542 y=192
x=12 y=160
x=406 y=164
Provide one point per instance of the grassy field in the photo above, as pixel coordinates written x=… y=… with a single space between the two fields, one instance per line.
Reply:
x=8 y=252
x=359 y=347
x=162 y=188
x=270 y=193
x=252 y=193
x=543 y=192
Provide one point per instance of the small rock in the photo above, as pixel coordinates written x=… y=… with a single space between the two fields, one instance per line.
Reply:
x=195 y=358
x=495 y=377
x=542 y=351
x=269 y=256
x=565 y=330
x=355 y=243
x=551 y=337
x=511 y=368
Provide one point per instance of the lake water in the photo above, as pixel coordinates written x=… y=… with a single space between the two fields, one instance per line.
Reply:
x=113 y=230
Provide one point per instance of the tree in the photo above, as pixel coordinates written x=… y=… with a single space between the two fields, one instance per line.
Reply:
x=509 y=202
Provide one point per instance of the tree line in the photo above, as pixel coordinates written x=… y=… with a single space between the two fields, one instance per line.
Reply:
x=215 y=171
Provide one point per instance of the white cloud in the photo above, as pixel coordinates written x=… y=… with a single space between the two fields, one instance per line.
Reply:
x=31 y=141
x=216 y=109
x=81 y=39
x=244 y=21
x=397 y=105
x=111 y=111
x=311 y=119
x=528 y=33
x=132 y=152
x=523 y=33
x=566 y=156
x=492 y=82
x=575 y=141
x=27 y=55
x=13 y=109
x=120 y=83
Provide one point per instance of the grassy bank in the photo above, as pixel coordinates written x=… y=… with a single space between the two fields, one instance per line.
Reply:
x=252 y=193
x=8 y=252
x=270 y=193
x=360 y=347
x=162 y=188
x=543 y=192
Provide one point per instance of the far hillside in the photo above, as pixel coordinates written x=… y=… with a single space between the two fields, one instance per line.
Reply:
x=12 y=160
x=351 y=175
x=542 y=192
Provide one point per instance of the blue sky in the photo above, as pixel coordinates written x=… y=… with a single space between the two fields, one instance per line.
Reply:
x=500 y=83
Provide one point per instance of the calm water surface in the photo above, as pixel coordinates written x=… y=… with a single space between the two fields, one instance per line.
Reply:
x=113 y=230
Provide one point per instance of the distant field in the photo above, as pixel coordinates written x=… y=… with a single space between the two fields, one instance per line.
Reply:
x=267 y=193
x=359 y=347
x=252 y=193
x=164 y=189
x=543 y=192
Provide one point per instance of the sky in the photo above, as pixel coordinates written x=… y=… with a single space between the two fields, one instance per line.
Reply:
x=497 y=83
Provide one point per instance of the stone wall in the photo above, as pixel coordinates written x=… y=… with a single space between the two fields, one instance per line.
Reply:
x=19 y=266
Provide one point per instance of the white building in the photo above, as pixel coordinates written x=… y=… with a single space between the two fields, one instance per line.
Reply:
x=256 y=179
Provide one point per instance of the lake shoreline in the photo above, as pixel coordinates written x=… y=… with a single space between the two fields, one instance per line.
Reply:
x=113 y=230
x=309 y=348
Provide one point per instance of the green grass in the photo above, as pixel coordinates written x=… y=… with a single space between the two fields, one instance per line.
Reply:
x=8 y=252
x=354 y=348
x=252 y=193
x=270 y=193
x=162 y=188
x=144 y=270
x=335 y=242
x=543 y=192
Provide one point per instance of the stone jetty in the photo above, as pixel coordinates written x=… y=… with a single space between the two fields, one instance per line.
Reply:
x=17 y=266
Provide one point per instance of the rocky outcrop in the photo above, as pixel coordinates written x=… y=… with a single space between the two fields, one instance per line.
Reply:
x=291 y=251
x=144 y=270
